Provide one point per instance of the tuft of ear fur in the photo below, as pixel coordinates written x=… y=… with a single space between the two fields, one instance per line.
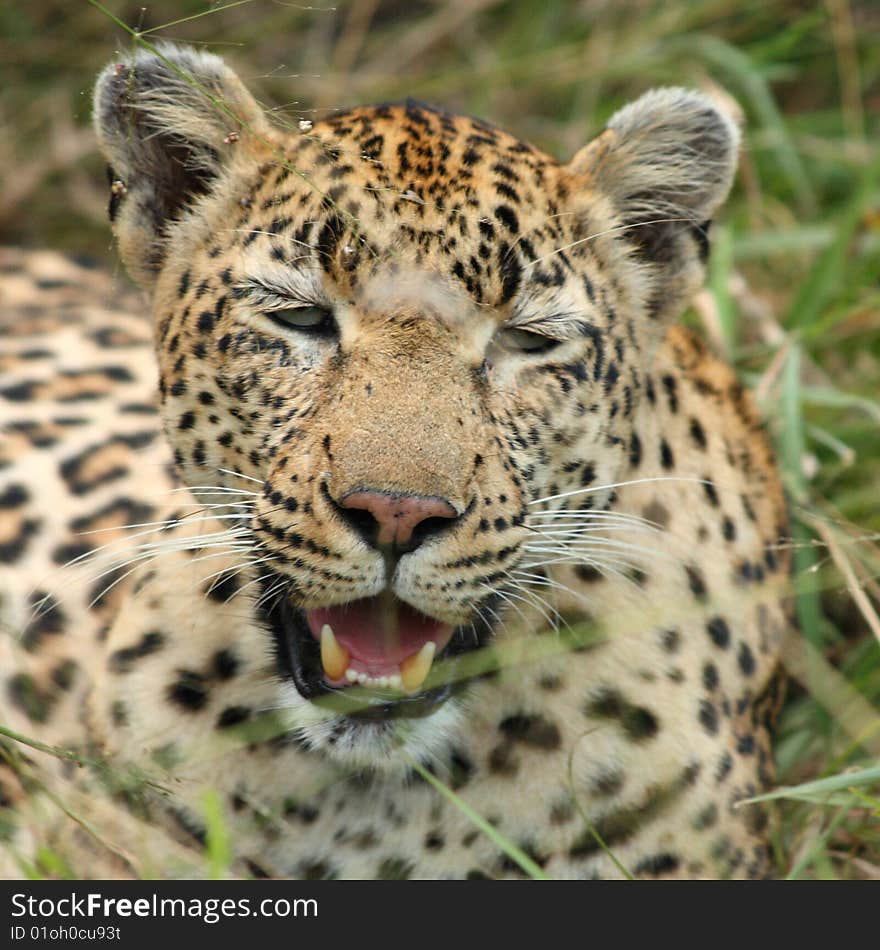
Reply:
x=169 y=123
x=665 y=162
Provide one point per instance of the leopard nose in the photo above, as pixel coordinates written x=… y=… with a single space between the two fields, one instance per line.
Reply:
x=392 y=519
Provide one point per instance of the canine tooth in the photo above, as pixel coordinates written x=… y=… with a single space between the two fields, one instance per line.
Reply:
x=414 y=669
x=334 y=656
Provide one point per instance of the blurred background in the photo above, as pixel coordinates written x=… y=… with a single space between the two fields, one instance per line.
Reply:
x=793 y=293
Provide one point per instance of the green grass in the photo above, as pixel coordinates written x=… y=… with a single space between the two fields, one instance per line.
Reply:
x=516 y=854
x=792 y=297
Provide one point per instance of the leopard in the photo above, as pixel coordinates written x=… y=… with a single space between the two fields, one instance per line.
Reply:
x=393 y=512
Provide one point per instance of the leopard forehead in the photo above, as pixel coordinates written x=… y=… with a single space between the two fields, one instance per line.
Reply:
x=369 y=203
x=392 y=183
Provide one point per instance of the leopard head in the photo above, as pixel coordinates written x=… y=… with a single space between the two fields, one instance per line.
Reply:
x=407 y=329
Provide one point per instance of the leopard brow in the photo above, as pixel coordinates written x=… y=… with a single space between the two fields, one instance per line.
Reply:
x=291 y=287
x=561 y=325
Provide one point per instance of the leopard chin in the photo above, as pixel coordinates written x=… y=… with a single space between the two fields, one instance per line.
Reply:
x=386 y=746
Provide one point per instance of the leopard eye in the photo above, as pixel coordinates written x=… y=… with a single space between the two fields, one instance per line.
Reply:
x=525 y=341
x=316 y=321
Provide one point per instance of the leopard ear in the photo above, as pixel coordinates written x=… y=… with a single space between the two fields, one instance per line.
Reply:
x=170 y=123
x=665 y=162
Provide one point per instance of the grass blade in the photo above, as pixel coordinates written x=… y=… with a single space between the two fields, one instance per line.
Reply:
x=508 y=847
x=822 y=786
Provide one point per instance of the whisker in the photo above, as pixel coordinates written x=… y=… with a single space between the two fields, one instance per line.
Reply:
x=610 y=569
x=489 y=610
x=634 y=481
x=169 y=544
x=578 y=532
x=160 y=525
x=235 y=569
x=560 y=547
x=151 y=552
x=554 y=584
x=586 y=514
x=616 y=565
x=276 y=588
x=106 y=590
x=227 y=471
x=256 y=580
x=213 y=489
x=598 y=234
x=536 y=602
x=505 y=596
x=237 y=540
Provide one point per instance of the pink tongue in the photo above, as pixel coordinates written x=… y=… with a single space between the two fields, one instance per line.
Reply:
x=379 y=632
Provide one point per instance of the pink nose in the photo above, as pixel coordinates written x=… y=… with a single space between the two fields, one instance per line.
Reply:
x=398 y=516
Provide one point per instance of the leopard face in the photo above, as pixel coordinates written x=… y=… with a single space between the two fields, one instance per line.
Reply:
x=398 y=333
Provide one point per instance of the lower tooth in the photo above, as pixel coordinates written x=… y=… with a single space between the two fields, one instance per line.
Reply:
x=394 y=681
x=414 y=670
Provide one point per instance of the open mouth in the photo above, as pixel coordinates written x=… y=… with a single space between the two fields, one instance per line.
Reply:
x=372 y=658
x=379 y=642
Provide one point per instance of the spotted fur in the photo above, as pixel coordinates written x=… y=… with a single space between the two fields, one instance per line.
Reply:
x=619 y=539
